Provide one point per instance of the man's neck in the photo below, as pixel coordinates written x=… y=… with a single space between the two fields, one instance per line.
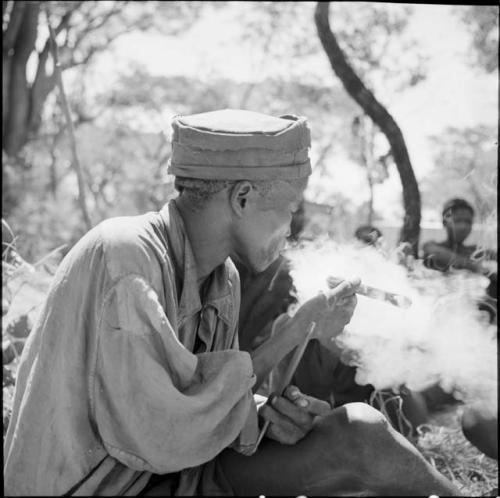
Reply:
x=454 y=243
x=207 y=235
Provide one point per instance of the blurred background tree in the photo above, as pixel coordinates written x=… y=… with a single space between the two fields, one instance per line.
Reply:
x=358 y=90
x=466 y=166
x=482 y=23
x=121 y=119
x=38 y=183
x=83 y=29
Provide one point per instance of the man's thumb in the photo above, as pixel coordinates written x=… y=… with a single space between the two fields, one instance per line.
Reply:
x=345 y=288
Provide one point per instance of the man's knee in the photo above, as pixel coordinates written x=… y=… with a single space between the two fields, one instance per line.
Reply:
x=359 y=427
x=352 y=437
x=481 y=430
x=361 y=416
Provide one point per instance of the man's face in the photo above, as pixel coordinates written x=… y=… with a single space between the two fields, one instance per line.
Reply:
x=458 y=224
x=260 y=235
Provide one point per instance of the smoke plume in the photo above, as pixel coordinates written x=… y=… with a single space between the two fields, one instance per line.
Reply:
x=442 y=338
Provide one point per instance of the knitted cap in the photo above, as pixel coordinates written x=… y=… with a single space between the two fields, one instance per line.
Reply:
x=233 y=144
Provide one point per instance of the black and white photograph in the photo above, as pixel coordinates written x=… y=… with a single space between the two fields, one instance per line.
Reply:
x=249 y=248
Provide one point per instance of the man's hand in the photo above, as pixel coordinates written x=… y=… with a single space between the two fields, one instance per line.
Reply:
x=331 y=311
x=291 y=416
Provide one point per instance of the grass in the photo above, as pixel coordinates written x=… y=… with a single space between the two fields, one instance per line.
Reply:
x=443 y=444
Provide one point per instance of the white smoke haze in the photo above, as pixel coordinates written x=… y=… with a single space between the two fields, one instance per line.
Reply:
x=442 y=338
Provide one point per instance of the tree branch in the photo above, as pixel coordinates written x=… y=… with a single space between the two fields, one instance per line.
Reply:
x=381 y=117
x=43 y=83
x=71 y=131
x=16 y=119
x=10 y=33
x=90 y=27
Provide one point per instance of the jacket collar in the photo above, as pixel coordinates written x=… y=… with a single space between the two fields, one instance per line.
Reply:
x=218 y=291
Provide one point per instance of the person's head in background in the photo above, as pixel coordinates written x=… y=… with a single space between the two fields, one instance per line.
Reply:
x=458 y=216
x=368 y=234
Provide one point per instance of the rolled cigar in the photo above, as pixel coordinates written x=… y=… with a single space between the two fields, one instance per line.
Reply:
x=365 y=290
x=287 y=377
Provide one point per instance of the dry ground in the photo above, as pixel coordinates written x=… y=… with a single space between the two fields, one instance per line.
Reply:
x=445 y=447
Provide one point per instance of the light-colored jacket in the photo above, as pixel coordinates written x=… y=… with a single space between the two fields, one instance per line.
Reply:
x=109 y=389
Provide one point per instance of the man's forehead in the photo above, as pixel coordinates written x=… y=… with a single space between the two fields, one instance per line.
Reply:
x=460 y=213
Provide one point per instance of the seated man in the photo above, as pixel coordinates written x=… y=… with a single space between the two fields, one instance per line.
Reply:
x=132 y=381
x=481 y=429
x=368 y=234
x=458 y=217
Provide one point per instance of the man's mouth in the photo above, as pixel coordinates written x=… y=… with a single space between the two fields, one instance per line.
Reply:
x=282 y=246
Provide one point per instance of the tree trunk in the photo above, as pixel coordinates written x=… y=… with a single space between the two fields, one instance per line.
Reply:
x=381 y=117
x=370 y=201
x=9 y=38
x=15 y=129
x=71 y=131
x=370 y=165
x=42 y=86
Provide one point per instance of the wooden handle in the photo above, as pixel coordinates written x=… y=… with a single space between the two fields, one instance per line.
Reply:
x=287 y=377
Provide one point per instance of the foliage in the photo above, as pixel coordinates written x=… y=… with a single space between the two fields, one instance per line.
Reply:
x=82 y=29
x=144 y=100
x=363 y=150
x=125 y=174
x=482 y=23
x=376 y=41
x=24 y=288
x=466 y=166
x=374 y=37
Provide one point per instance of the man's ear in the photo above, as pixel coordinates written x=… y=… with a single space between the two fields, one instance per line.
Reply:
x=240 y=196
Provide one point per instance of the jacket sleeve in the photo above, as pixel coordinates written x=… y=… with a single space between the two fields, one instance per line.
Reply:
x=157 y=406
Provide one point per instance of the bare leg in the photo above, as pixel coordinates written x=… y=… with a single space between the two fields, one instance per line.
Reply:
x=352 y=450
x=481 y=430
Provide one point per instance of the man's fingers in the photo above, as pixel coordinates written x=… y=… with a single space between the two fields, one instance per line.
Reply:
x=313 y=405
x=284 y=435
x=297 y=414
x=281 y=428
x=317 y=406
x=333 y=282
x=342 y=291
x=292 y=392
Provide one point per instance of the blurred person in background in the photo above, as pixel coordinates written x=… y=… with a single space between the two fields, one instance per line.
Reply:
x=479 y=428
x=453 y=253
x=369 y=235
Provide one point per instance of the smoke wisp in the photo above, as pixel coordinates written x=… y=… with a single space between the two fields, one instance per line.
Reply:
x=442 y=338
